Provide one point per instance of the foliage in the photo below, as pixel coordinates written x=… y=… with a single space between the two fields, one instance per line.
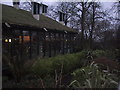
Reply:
x=98 y=53
x=91 y=77
x=70 y=62
x=48 y=72
x=111 y=54
x=49 y=65
x=15 y=64
x=32 y=81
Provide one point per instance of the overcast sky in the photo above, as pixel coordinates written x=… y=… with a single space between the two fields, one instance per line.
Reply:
x=106 y=5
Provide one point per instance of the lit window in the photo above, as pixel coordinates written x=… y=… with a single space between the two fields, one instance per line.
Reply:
x=10 y=40
x=6 y=40
x=25 y=38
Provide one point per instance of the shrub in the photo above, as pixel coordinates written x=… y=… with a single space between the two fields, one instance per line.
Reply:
x=14 y=64
x=42 y=67
x=111 y=54
x=49 y=65
x=98 y=53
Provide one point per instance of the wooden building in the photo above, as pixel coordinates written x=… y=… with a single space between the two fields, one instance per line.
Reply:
x=34 y=34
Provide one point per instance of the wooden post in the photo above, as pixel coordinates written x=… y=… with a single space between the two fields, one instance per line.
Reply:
x=30 y=33
x=21 y=46
x=59 y=43
x=63 y=43
x=44 y=44
x=54 y=43
x=49 y=44
x=70 y=44
x=73 y=43
x=66 y=42
x=38 y=43
x=12 y=46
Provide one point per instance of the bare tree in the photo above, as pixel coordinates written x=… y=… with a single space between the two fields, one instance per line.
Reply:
x=66 y=7
x=83 y=7
x=96 y=14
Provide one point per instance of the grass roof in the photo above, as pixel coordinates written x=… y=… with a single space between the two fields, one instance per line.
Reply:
x=22 y=17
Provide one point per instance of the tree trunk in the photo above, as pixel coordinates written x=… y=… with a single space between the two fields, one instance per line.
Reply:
x=82 y=25
x=92 y=27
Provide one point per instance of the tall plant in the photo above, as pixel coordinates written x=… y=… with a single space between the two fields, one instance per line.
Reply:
x=92 y=77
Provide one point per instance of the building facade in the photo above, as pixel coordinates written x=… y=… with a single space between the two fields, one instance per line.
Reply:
x=31 y=35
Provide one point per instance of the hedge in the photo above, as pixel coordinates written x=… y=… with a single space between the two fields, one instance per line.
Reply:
x=70 y=62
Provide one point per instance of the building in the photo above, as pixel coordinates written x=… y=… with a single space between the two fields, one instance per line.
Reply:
x=34 y=34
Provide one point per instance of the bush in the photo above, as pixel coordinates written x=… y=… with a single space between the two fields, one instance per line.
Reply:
x=48 y=65
x=112 y=54
x=99 y=53
x=42 y=67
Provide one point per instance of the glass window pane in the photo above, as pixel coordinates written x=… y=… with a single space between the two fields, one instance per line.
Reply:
x=34 y=44
x=26 y=45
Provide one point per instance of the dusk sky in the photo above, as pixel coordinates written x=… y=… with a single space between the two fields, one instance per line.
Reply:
x=106 y=5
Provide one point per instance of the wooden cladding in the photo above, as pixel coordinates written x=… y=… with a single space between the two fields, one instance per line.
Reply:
x=42 y=44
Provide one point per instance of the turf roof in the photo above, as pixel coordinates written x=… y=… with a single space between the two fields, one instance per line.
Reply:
x=21 y=17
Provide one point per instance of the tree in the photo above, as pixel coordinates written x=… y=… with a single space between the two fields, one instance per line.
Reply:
x=82 y=8
x=66 y=7
x=93 y=24
x=95 y=15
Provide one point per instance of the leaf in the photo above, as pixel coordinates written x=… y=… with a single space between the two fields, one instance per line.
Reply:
x=114 y=82
x=72 y=83
x=89 y=83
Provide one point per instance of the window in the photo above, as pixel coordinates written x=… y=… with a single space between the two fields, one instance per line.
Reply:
x=34 y=41
x=26 y=44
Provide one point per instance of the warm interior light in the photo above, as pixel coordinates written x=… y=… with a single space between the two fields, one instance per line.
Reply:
x=25 y=38
x=6 y=40
x=10 y=40
x=20 y=39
